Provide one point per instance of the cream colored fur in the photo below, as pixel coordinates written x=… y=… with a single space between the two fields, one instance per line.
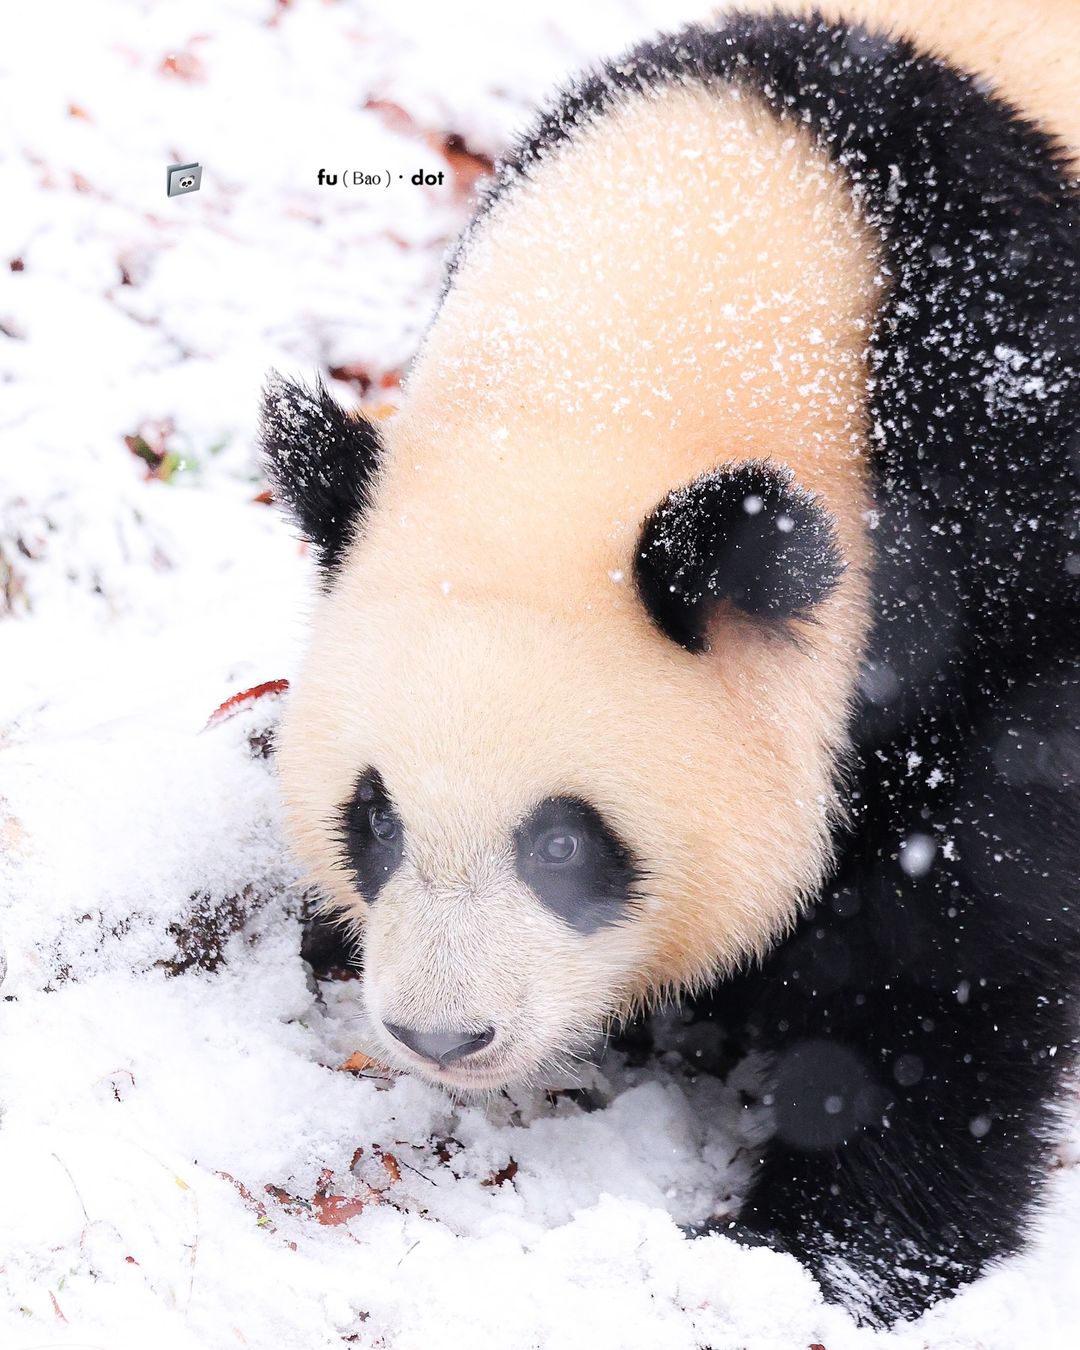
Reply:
x=685 y=285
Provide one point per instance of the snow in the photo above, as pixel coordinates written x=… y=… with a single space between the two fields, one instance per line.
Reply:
x=152 y=1088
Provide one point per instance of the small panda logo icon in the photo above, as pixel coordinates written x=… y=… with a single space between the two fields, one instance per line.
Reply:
x=181 y=178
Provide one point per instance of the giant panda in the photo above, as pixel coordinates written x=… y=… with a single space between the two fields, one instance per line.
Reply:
x=704 y=625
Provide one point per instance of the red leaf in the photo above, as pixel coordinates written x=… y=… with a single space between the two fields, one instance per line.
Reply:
x=232 y=705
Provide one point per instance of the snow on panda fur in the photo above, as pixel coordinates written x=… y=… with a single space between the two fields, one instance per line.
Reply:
x=705 y=621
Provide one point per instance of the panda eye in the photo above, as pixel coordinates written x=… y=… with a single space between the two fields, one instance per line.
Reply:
x=384 y=824
x=556 y=848
x=372 y=834
x=575 y=864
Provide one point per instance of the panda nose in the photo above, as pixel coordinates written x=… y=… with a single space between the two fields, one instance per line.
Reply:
x=441 y=1047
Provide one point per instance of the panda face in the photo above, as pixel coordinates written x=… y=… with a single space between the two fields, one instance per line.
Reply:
x=540 y=818
x=458 y=809
x=440 y=993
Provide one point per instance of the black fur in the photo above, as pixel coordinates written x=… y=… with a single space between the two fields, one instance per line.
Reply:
x=925 y=1014
x=321 y=461
x=748 y=535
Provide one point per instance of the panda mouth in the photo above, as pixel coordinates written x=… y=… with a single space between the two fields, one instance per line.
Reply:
x=469 y=1080
x=466 y=1079
x=484 y=1072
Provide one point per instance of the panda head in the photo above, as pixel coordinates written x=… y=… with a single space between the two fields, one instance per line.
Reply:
x=546 y=803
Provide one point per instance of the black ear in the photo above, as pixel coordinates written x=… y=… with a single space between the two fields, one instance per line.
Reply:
x=321 y=461
x=746 y=534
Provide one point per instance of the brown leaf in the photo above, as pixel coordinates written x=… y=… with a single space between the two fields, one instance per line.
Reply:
x=393 y=1171
x=507 y=1173
x=465 y=165
x=352 y=372
x=335 y=1209
x=358 y=1062
x=331 y=1208
x=445 y=1149
x=292 y=1204
x=252 y=1203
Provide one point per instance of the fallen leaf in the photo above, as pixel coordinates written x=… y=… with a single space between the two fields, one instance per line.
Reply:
x=393 y=1171
x=466 y=166
x=351 y=372
x=358 y=1062
x=507 y=1173
x=235 y=702
x=335 y=1209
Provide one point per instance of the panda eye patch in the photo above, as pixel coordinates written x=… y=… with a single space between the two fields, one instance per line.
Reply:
x=372 y=834
x=575 y=863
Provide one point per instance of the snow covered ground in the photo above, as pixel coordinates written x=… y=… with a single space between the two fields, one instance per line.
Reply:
x=182 y=1160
